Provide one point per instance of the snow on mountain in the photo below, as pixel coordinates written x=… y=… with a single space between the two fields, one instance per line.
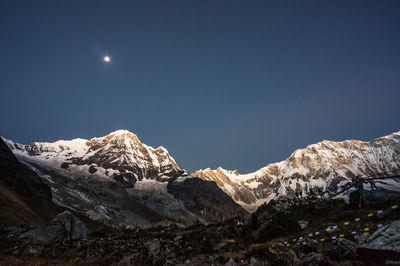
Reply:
x=117 y=180
x=119 y=155
x=324 y=165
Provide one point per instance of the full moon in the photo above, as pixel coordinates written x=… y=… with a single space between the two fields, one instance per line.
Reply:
x=107 y=59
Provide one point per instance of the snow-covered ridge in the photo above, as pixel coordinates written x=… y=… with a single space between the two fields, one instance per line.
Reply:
x=323 y=165
x=119 y=152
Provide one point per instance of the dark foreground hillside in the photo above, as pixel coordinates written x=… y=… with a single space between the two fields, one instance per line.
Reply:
x=272 y=236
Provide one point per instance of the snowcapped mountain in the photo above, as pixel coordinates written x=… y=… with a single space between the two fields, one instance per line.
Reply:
x=325 y=165
x=122 y=182
x=119 y=155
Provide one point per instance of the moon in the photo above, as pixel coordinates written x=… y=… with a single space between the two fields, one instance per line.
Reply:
x=107 y=59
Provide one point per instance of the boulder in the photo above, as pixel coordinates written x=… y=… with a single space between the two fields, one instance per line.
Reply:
x=341 y=249
x=302 y=224
x=47 y=234
x=386 y=238
x=64 y=227
x=74 y=228
x=231 y=262
x=253 y=261
x=154 y=248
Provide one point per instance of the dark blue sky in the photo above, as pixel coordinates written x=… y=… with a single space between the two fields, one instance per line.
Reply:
x=237 y=84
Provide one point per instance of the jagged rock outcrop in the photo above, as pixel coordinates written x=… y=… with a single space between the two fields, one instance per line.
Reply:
x=325 y=165
x=74 y=228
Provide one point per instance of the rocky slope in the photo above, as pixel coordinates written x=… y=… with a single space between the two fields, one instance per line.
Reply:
x=122 y=182
x=24 y=198
x=235 y=241
x=325 y=165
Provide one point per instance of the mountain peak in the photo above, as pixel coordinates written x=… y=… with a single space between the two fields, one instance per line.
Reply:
x=120 y=153
x=123 y=137
x=324 y=165
x=122 y=133
x=161 y=149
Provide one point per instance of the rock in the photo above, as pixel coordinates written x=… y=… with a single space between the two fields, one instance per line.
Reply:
x=253 y=261
x=74 y=228
x=310 y=247
x=343 y=249
x=359 y=238
x=65 y=226
x=302 y=224
x=177 y=238
x=231 y=262
x=218 y=246
x=386 y=238
x=128 y=180
x=92 y=169
x=347 y=243
x=313 y=259
x=282 y=258
x=154 y=248
x=13 y=231
x=47 y=234
x=36 y=250
x=64 y=165
x=125 y=261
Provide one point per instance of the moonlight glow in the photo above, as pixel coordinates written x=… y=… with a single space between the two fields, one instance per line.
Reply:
x=107 y=59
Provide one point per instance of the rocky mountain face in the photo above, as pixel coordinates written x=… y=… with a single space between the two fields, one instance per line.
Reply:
x=122 y=182
x=121 y=153
x=325 y=165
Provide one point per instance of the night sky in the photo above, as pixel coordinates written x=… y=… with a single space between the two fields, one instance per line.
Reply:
x=237 y=84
